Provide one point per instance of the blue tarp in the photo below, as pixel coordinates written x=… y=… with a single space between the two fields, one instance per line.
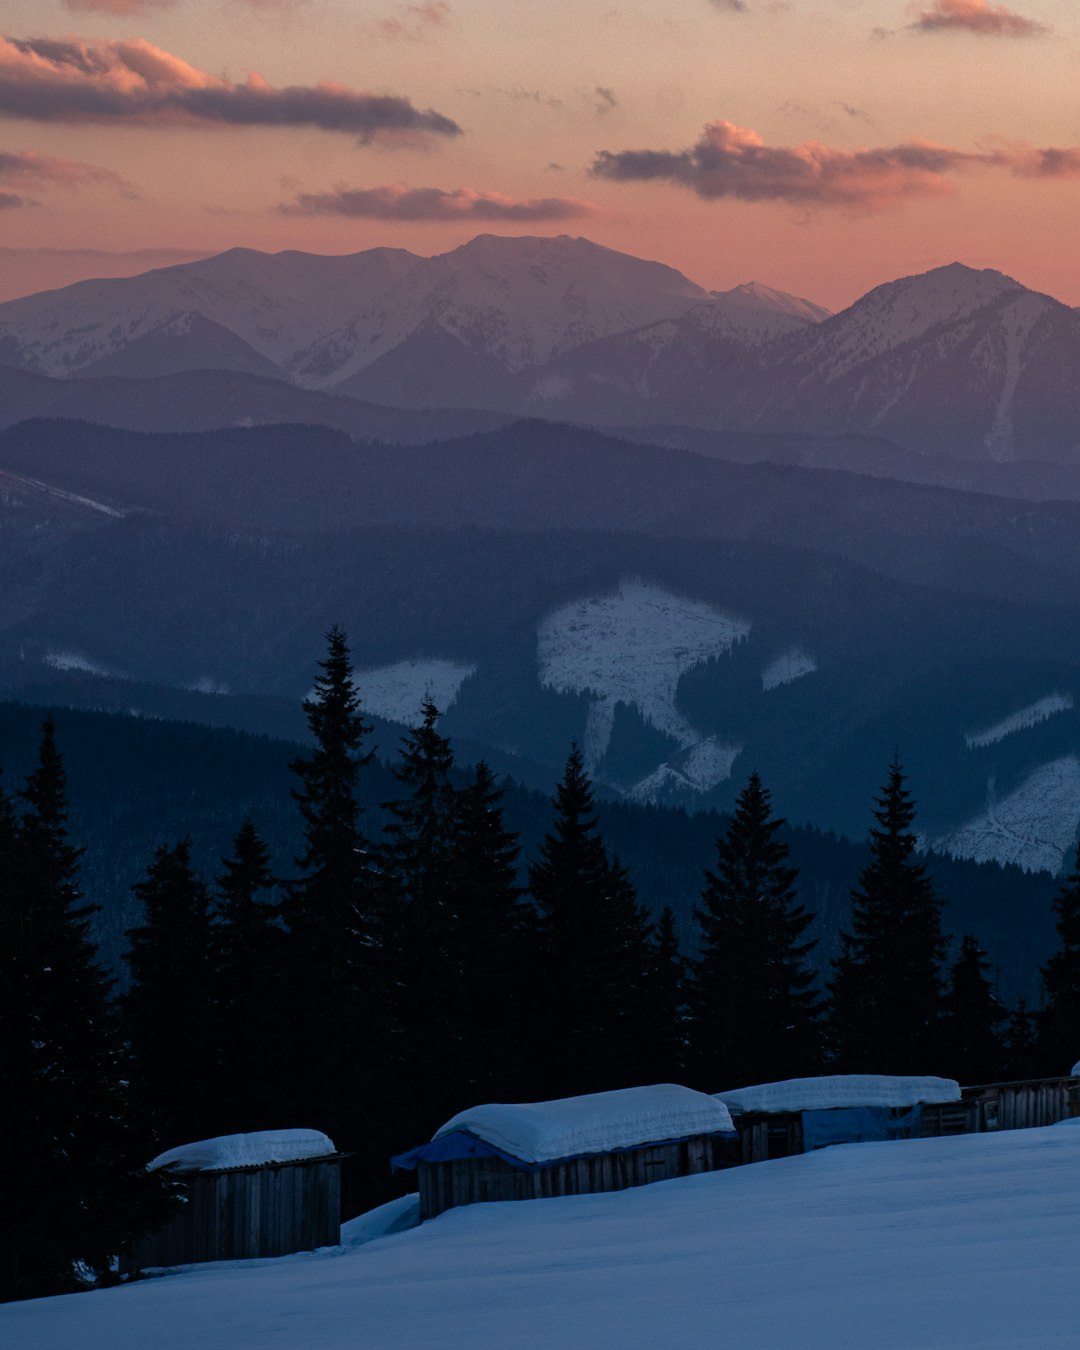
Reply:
x=462 y=1144
x=858 y=1125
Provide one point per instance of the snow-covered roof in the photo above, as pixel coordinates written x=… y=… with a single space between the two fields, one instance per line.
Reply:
x=1074 y=1072
x=257 y=1149
x=598 y=1123
x=843 y=1089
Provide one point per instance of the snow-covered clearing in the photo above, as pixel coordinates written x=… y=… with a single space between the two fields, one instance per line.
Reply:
x=1029 y=716
x=397 y=692
x=632 y=647
x=790 y=665
x=1034 y=826
x=74 y=661
x=702 y=767
x=909 y=1245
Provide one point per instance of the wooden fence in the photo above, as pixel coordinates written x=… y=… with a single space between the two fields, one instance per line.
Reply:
x=251 y=1211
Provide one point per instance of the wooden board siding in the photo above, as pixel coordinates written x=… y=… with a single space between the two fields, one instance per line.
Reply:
x=256 y=1211
x=938 y=1119
x=468 y=1181
x=775 y=1135
x=1023 y=1105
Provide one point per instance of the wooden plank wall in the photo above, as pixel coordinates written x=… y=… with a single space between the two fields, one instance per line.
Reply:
x=468 y=1181
x=266 y=1211
x=1023 y=1105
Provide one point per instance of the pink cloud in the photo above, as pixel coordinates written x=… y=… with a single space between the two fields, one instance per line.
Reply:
x=975 y=16
x=394 y=201
x=732 y=161
x=19 y=167
x=414 y=22
x=76 y=80
x=121 y=8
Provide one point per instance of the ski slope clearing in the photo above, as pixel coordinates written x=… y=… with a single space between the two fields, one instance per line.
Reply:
x=962 y=1242
x=788 y=666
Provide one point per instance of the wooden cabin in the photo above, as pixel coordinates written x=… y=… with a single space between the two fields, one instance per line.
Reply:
x=606 y=1141
x=262 y=1194
x=1023 y=1104
x=799 y=1115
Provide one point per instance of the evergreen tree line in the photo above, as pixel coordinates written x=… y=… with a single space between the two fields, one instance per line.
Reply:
x=389 y=982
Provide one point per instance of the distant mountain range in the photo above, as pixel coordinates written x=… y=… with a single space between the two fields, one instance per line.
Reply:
x=957 y=362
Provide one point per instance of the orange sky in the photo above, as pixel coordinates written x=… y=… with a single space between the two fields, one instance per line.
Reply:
x=820 y=146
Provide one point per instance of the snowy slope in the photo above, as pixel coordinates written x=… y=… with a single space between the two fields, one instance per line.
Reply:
x=965 y=1242
x=632 y=647
x=1033 y=826
x=1021 y=720
x=397 y=692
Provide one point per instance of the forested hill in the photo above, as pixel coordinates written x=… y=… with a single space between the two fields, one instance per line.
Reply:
x=136 y=783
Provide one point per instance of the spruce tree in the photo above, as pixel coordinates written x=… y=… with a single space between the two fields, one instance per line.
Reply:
x=246 y=947
x=416 y=858
x=886 y=989
x=334 y=984
x=496 y=944
x=1059 y=1017
x=592 y=949
x=971 y=1031
x=76 y=1192
x=167 y=1009
x=755 y=1013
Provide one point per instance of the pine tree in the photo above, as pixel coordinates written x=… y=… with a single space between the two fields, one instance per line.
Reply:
x=592 y=948
x=755 y=1011
x=496 y=943
x=886 y=988
x=1059 y=1017
x=416 y=857
x=971 y=1031
x=665 y=1005
x=247 y=947
x=167 y=1009
x=76 y=1193
x=334 y=984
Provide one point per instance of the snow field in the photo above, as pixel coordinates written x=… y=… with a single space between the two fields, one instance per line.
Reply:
x=397 y=692
x=632 y=647
x=909 y=1245
x=1029 y=716
x=788 y=666
x=1034 y=826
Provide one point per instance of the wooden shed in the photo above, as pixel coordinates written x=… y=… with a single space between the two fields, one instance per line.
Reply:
x=606 y=1141
x=262 y=1194
x=1023 y=1104
x=798 y=1115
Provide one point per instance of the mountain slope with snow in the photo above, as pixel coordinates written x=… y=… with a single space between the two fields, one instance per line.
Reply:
x=965 y=1242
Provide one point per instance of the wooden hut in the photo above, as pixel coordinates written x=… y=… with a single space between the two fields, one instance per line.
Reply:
x=799 y=1115
x=1023 y=1104
x=262 y=1194
x=605 y=1141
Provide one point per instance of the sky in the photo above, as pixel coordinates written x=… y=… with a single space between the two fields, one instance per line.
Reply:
x=818 y=146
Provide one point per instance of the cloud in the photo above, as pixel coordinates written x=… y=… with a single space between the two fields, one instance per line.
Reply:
x=74 y=80
x=397 y=202
x=975 y=16
x=18 y=167
x=11 y=199
x=414 y=22
x=605 y=99
x=121 y=8
x=732 y=161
